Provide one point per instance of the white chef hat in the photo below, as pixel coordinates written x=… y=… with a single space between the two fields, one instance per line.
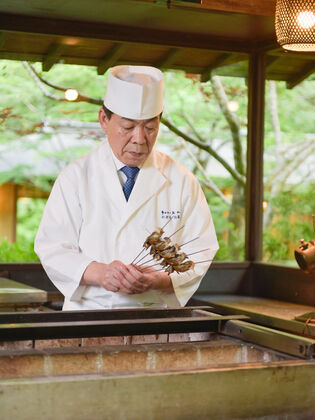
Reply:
x=135 y=92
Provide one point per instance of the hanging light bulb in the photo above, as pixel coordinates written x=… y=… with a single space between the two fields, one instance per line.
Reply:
x=295 y=24
x=233 y=106
x=71 y=94
x=306 y=19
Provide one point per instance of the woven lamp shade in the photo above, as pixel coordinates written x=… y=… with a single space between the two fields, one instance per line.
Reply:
x=295 y=24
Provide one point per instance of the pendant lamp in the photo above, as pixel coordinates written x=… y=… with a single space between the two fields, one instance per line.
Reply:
x=295 y=24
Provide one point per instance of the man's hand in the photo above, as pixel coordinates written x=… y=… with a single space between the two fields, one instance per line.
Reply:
x=126 y=279
x=151 y=279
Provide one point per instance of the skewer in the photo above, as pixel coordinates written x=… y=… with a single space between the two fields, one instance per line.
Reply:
x=136 y=263
x=166 y=223
x=159 y=254
x=153 y=271
x=176 y=231
x=167 y=261
x=151 y=265
x=142 y=258
x=162 y=244
x=149 y=240
x=180 y=257
x=192 y=253
x=138 y=255
x=189 y=241
x=146 y=262
x=149 y=235
x=199 y=262
x=180 y=246
x=165 y=240
x=197 y=252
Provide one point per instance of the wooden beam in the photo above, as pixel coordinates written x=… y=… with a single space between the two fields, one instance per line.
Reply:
x=268 y=45
x=111 y=58
x=52 y=56
x=120 y=33
x=280 y=52
x=88 y=61
x=205 y=76
x=187 y=2
x=170 y=57
x=307 y=70
x=249 y=7
x=3 y=38
x=255 y=148
x=271 y=60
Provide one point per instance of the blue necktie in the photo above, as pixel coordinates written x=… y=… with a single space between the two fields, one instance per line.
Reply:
x=130 y=173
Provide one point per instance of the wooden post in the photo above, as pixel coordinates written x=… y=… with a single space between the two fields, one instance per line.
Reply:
x=8 y=197
x=255 y=150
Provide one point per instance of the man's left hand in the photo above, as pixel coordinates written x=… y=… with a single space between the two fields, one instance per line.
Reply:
x=150 y=279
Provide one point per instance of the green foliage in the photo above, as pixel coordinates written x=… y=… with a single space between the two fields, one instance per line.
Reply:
x=16 y=174
x=295 y=110
x=186 y=97
x=17 y=252
x=292 y=220
x=223 y=227
x=219 y=211
x=29 y=213
x=31 y=107
x=24 y=109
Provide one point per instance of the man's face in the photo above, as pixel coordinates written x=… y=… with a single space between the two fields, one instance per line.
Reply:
x=130 y=140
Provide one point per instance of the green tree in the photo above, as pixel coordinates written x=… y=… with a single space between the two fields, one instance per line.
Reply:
x=199 y=130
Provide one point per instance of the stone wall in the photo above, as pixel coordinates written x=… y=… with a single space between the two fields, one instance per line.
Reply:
x=124 y=355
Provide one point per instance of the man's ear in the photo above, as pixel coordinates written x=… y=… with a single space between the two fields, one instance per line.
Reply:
x=102 y=117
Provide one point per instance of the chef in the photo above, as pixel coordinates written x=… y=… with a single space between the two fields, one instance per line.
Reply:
x=103 y=206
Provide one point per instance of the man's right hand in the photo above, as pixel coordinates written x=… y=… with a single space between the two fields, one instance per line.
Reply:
x=115 y=277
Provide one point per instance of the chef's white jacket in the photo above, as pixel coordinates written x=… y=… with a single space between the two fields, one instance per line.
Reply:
x=87 y=218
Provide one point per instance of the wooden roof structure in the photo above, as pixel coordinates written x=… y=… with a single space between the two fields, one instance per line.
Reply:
x=169 y=34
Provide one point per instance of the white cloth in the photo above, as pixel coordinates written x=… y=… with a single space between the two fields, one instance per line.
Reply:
x=88 y=219
x=135 y=92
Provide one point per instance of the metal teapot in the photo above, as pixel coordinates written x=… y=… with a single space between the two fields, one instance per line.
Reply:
x=305 y=254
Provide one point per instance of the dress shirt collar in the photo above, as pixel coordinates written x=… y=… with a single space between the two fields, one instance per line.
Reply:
x=117 y=162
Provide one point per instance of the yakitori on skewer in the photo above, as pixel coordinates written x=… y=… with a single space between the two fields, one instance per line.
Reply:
x=172 y=258
x=156 y=253
x=159 y=254
x=151 y=239
x=179 y=268
x=162 y=249
x=155 y=237
x=185 y=266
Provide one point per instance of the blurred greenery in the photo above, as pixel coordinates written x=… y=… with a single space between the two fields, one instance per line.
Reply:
x=29 y=213
x=17 y=251
x=292 y=220
x=24 y=110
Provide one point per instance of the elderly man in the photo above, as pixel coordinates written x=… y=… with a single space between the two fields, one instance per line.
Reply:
x=103 y=205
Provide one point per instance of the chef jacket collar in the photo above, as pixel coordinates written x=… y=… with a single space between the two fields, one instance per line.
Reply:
x=119 y=165
x=117 y=162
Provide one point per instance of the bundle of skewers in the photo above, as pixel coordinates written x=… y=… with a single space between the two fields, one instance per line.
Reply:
x=166 y=253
